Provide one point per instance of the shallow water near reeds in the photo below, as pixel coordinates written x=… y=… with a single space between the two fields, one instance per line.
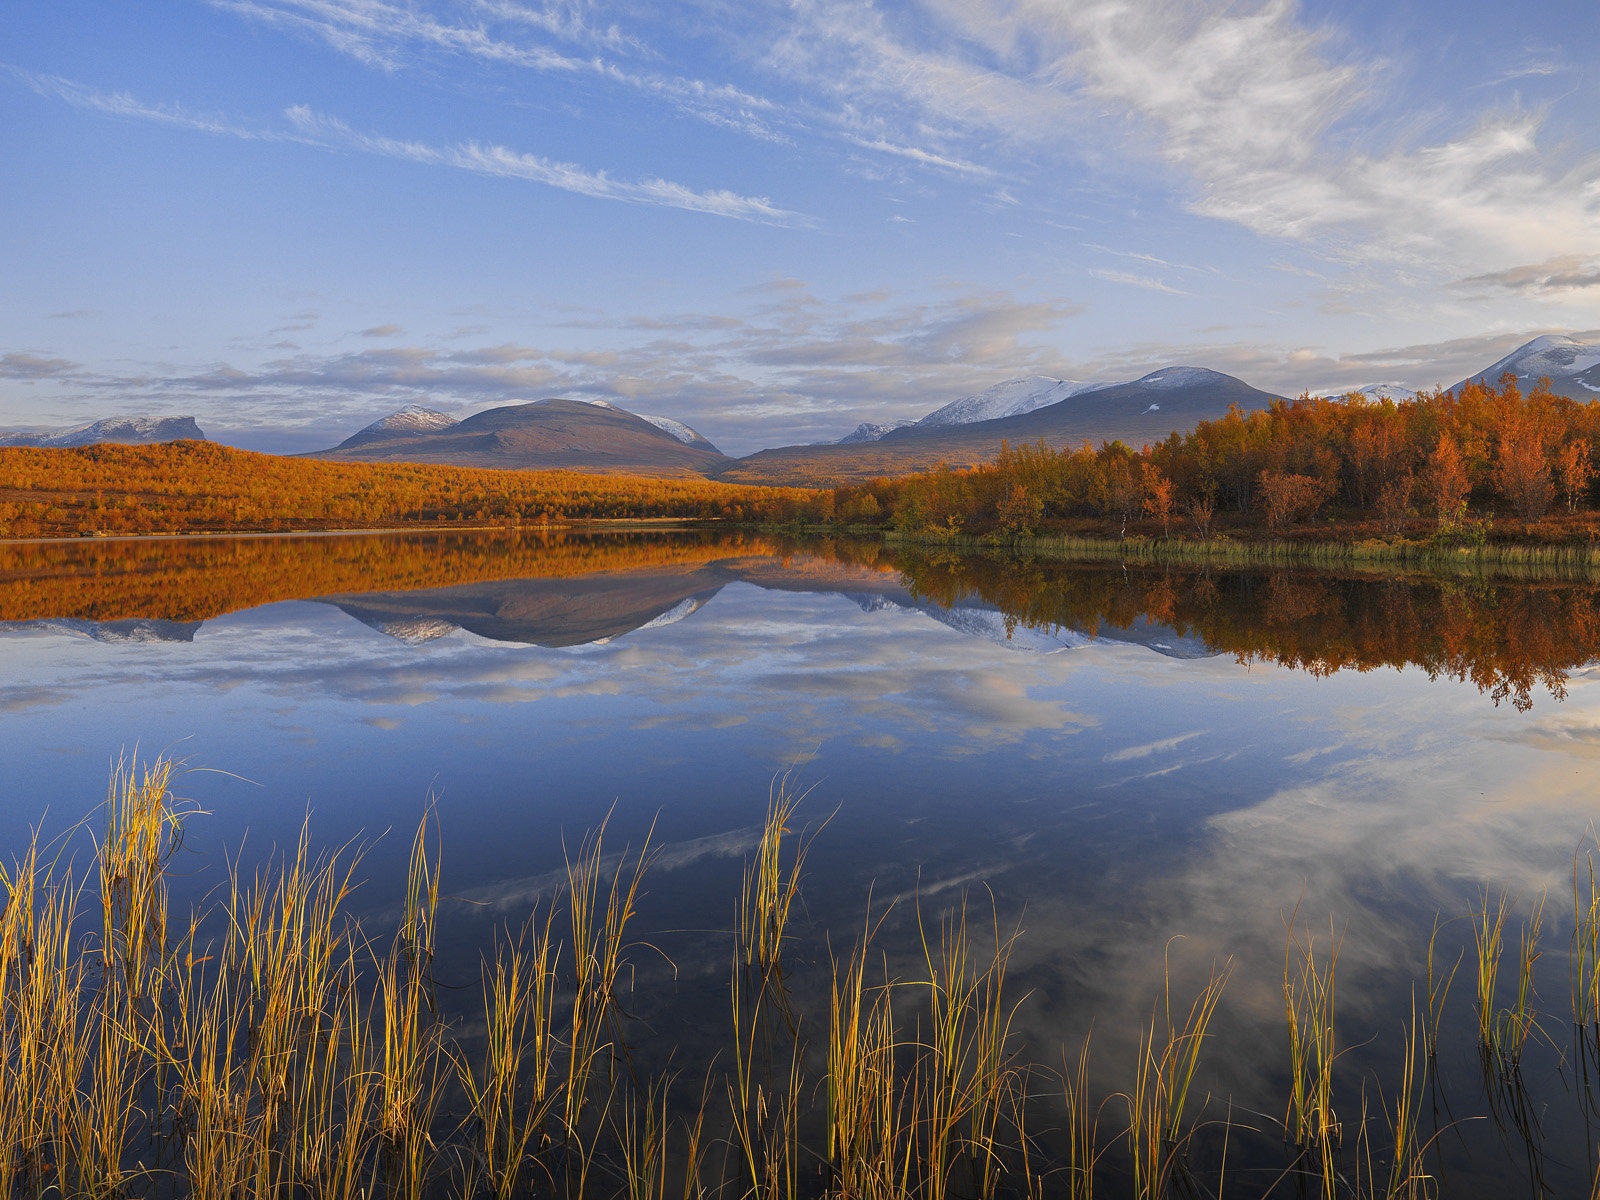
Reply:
x=1145 y=769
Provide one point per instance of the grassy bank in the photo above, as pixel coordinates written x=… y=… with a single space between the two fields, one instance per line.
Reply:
x=1403 y=555
x=269 y=1045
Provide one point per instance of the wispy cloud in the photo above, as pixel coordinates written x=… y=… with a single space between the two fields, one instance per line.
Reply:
x=1147 y=282
x=311 y=128
x=568 y=177
x=122 y=104
x=388 y=36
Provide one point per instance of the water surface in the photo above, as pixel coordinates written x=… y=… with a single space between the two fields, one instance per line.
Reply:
x=1112 y=758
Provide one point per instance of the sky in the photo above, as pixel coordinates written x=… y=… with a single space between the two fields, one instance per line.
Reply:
x=773 y=219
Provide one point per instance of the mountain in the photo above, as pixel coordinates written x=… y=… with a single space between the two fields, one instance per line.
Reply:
x=574 y=435
x=1145 y=410
x=128 y=431
x=868 y=432
x=1572 y=366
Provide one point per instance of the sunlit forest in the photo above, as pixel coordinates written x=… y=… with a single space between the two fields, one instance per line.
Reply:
x=186 y=487
x=1451 y=466
x=1486 y=462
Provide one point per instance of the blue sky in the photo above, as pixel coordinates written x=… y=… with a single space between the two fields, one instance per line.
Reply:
x=773 y=220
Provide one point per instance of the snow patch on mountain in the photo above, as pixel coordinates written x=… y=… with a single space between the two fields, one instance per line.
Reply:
x=413 y=418
x=1009 y=399
x=680 y=610
x=870 y=432
x=673 y=429
x=1171 y=378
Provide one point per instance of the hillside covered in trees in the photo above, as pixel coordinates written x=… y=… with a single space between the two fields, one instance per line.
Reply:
x=190 y=487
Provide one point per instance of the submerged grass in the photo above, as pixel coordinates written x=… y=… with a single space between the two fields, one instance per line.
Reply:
x=270 y=1046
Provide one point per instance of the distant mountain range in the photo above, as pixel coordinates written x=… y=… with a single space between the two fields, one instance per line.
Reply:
x=593 y=435
x=1057 y=411
x=1378 y=391
x=130 y=431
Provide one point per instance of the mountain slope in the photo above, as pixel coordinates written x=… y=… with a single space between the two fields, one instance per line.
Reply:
x=1145 y=410
x=128 y=431
x=572 y=435
x=1572 y=366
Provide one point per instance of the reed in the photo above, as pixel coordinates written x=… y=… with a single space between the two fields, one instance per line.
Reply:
x=1159 y=1128
x=1488 y=943
x=1083 y=1149
x=1439 y=982
x=1308 y=997
x=1585 y=958
x=1503 y=1032
x=1408 y=1177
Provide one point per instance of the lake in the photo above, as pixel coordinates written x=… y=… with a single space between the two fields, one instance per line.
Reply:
x=1143 y=769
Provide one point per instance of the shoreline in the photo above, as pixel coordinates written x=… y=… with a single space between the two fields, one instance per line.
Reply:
x=1375 y=556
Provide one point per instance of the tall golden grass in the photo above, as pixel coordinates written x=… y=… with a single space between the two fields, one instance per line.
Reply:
x=268 y=1044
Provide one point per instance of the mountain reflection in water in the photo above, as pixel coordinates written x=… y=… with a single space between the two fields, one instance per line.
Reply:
x=1511 y=638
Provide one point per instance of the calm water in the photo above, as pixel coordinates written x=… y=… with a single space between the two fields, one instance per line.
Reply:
x=1119 y=758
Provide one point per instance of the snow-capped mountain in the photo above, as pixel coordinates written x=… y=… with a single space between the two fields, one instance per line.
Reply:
x=130 y=431
x=869 y=432
x=1573 y=367
x=1009 y=399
